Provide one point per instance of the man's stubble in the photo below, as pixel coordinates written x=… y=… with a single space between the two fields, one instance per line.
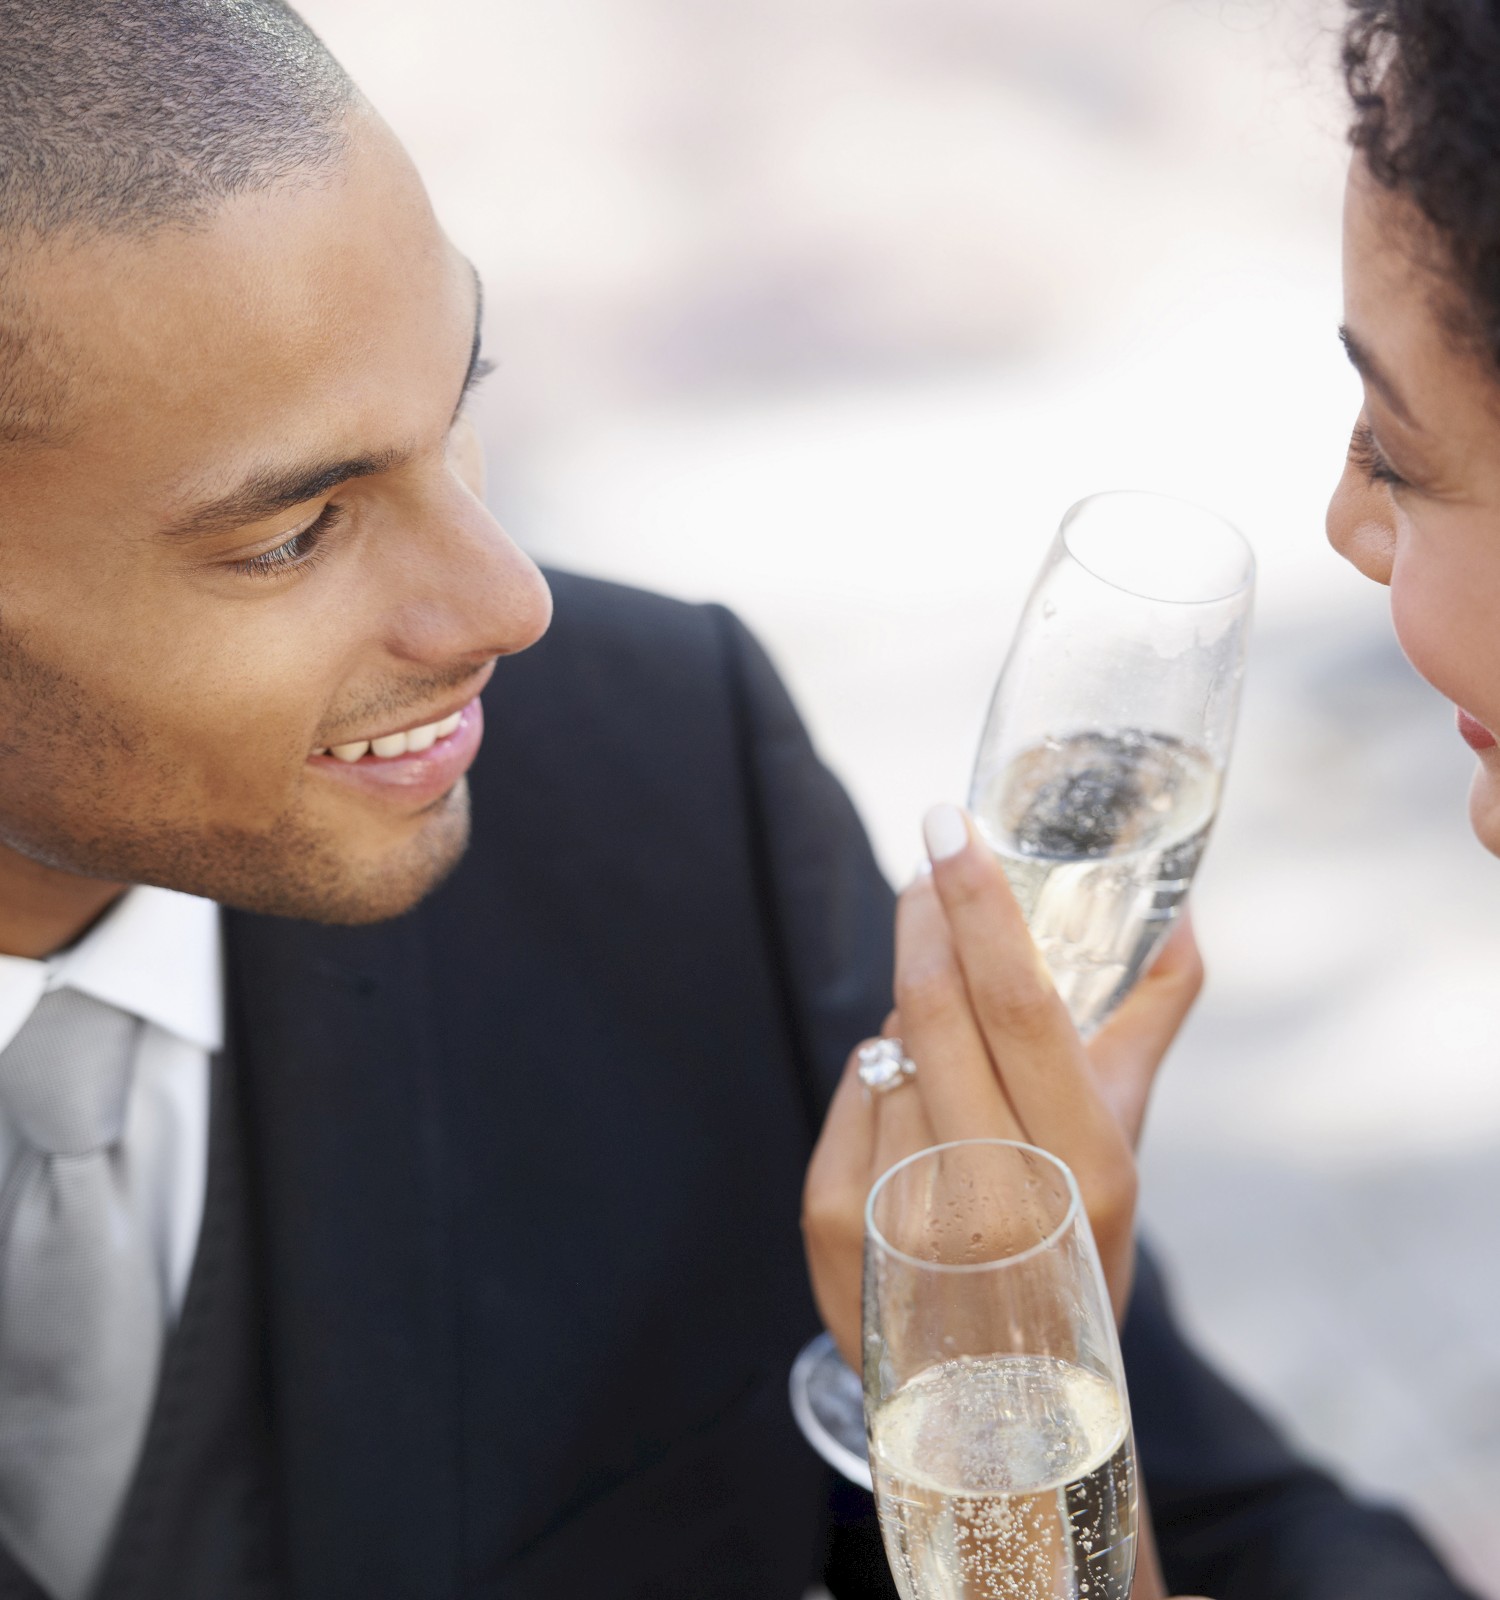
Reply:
x=66 y=761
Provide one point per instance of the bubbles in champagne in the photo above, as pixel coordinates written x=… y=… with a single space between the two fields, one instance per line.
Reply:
x=1006 y=1478
x=1100 y=834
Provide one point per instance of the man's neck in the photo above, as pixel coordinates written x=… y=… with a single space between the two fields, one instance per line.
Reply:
x=43 y=910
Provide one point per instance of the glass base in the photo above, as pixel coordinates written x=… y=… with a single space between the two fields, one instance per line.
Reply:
x=829 y=1405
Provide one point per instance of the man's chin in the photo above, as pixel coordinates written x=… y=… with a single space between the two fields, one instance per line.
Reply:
x=393 y=885
x=313 y=879
x=290 y=868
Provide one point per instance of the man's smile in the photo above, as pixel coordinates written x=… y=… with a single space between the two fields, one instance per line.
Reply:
x=408 y=741
x=426 y=767
x=411 y=738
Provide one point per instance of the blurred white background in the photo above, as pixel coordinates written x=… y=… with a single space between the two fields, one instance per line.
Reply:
x=829 y=308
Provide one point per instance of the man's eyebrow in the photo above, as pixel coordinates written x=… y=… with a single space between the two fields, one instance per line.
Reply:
x=1370 y=370
x=275 y=489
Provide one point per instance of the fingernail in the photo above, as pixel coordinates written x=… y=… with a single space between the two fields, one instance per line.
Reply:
x=945 y=831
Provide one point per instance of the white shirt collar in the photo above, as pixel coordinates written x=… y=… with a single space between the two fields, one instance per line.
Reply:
x=155 y=953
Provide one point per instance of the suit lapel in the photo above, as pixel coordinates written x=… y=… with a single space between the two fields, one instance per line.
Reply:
x=346 y=1148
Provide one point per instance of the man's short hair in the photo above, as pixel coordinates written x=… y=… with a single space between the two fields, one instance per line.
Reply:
x=127 y=116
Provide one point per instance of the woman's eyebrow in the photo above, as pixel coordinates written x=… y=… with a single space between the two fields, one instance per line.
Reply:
x=1371 y=371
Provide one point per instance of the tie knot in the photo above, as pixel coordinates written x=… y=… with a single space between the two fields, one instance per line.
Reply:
x=65 y=1077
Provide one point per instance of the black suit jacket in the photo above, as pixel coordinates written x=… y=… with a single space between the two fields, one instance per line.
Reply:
x=527 y=1163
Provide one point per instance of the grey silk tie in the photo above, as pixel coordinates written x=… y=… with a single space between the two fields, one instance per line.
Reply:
x=82 y=1313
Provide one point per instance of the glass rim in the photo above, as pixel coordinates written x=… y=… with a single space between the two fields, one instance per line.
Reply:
x=1070 y=1216
x=1247 y=578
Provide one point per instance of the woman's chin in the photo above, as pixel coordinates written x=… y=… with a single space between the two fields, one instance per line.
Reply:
x=1484 y=803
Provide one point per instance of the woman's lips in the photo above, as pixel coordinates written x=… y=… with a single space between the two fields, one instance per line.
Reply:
x=1473 y=732
x=420 y=776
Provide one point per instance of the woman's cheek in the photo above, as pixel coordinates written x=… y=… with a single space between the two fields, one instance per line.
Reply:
x=1443 y=605
x=1420 y=643
x=1484 y=804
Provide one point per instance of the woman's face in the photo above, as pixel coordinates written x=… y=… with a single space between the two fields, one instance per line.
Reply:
x=1418 y=506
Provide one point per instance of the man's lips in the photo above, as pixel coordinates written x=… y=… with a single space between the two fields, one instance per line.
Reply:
x=419 y=775
x=1473 y=732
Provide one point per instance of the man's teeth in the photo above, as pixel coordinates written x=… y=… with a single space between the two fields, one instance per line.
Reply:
x=412 y=742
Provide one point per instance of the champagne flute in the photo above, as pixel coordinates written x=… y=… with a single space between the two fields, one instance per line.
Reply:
x=1097 y=780
x=999 y=1429
x=1103 y=756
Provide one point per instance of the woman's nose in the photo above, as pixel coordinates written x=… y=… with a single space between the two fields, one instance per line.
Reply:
x=1362 y=524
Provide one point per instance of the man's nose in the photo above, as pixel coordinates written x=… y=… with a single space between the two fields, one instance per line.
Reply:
x=467 y=590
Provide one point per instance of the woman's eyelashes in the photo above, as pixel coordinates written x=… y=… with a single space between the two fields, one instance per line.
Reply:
x=1367 y=455
x=295 y=554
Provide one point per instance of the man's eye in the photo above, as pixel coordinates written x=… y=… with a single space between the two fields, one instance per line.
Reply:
x=297 y=554
x=1370 y=459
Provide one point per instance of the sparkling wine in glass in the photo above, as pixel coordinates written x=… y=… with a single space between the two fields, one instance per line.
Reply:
x=999 y=1428
x=1103 y=757
x=1097 y=781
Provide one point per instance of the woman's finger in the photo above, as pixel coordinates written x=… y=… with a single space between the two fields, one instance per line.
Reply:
x=1129 y=1048
x=901 y=1125
x=959 y=1090
x=841 y=1159
x=1024 y=1022
x=901 y=1128
x=833 y=1207
x=1032 y=1040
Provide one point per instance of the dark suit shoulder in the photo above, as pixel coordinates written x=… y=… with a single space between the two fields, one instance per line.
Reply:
x=652 y=745
x=624 y=688
x=1238 y=1513
x=621 y=615
x=598 y=626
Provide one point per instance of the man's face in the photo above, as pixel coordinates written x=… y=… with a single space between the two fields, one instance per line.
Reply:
x=257 y=537
x=1418 y=507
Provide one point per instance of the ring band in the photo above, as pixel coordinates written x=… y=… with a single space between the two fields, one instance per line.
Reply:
x=884 y=1065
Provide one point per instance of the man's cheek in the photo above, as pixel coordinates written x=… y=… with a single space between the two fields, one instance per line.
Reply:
x=217 y=745
x=242 y=765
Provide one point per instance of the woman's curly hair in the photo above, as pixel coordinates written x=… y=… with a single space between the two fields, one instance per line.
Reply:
x=1424 y=76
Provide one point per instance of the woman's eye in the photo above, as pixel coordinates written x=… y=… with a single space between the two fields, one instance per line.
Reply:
x=297 y=553
x=1370 y=459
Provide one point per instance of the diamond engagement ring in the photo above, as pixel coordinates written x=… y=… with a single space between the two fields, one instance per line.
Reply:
x=884 y=1065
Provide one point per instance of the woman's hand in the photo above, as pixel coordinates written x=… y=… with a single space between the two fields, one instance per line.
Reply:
x=997 y=1057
